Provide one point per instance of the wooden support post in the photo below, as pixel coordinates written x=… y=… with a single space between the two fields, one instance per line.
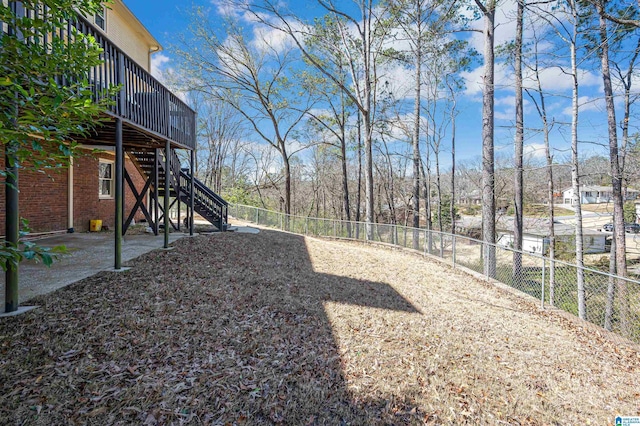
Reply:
x=119 y=166
x=156 y=189
x=118 y=195
x=12 y=224
x=177 y=190
x=191 y=192
x=167 y=191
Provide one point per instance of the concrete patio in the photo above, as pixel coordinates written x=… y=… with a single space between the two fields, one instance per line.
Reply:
x=89 y=253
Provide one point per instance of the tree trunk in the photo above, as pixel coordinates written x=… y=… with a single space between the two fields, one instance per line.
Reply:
x=359 y=193
x=488 y=172
x=366 y=107
x=416 y=144
x=575 y=177
x=287 y=180
x=616 y=176
x=518 y=151
x=453 y=164
x=611 y=288
x=345 y=175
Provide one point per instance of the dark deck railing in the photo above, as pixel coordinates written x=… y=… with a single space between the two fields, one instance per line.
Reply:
x=142 y=101
x=206 y=202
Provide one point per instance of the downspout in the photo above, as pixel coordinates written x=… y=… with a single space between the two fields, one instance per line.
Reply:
x=70 y=229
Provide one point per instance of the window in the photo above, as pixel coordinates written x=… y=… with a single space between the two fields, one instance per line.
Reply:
x=100 y=20
x=105 y=179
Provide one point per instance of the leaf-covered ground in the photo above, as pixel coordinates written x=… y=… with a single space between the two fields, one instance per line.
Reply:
x=275 y=328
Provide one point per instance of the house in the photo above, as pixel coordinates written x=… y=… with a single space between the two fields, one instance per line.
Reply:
x=535 y=238
x=593 y=194
x=471 y=197
x=136 y=158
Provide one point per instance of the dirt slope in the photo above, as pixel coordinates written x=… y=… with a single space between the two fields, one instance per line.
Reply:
x=275 y=328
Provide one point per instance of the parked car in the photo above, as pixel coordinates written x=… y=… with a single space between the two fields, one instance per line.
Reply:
x=607 y=227
x=632 y=228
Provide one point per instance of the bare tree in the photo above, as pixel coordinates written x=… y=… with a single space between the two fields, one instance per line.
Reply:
x=221 y=135
x=616 y=174
x=518 y=147
x=334 y=119
x=572 y=38
x=538 y=97
x=422 y=23
x=251 y=77
x=488 y=10
x=565 y=20
x=626 y=81
x=363 y=38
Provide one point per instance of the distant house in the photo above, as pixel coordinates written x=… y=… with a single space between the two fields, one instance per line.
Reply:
x=535 y=238
x=471 y=197
x=594 y=194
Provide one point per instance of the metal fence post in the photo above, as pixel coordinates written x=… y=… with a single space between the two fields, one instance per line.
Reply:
x=257 y=216
x=453 y=249
x=485 y=249
x=544 y=267
x=424 y=247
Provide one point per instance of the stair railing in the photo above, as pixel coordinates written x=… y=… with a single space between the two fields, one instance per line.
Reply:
x=211 y=203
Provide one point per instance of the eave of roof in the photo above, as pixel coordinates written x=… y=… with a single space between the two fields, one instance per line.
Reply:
x=119 y=4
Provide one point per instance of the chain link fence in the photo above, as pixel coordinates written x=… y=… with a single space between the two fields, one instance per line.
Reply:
x=609 y=301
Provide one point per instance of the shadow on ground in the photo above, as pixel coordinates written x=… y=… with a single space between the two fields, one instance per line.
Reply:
x=224 y=329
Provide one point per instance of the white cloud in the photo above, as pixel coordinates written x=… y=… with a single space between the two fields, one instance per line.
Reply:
x=401 y=81
x=227 y=8
x=158 y=63
x=474 y=79
x=587 y=103
x=165 y=74
x=267 y=39
x=508 y=114
x=556 y=80
x=534 y=150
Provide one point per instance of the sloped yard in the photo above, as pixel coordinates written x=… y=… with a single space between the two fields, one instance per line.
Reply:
x=275 y=328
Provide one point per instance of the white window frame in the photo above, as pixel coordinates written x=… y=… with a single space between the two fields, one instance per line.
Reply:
x=109 y=196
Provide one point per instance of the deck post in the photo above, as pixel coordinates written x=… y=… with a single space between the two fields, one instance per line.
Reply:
x=119 y=166
x=191 y=191
x=176 y=188
x=12 y=224
x=156 y=189
x=118 y=196
x=167 y=191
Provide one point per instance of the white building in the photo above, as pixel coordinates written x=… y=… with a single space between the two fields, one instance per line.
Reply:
x=535 y=236
x=537 y=241
x=593 y=194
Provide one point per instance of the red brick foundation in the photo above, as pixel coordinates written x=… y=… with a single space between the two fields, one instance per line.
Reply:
x=44 y=197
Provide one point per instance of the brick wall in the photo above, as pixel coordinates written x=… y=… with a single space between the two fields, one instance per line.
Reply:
x=44 y=197
x=87 y=204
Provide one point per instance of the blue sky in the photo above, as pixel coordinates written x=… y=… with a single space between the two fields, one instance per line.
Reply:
x=166 y=18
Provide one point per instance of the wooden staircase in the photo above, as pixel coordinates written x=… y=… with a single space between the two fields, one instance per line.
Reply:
x=151 y=165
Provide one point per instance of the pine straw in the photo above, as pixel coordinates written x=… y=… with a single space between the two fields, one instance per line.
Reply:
x=275 y=328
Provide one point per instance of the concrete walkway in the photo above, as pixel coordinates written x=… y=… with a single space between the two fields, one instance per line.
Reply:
x=89 y=253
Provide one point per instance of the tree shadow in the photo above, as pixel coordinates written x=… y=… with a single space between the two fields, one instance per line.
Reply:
x=299 y=368
x=224 y=329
